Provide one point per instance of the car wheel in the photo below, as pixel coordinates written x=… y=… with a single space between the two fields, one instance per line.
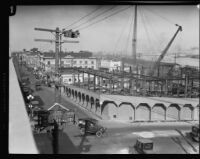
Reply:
x=98 y=133
x=82 y=131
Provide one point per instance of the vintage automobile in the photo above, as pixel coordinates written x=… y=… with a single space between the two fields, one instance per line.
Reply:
x=92 y=126
x=142 y=146
x=195 y=133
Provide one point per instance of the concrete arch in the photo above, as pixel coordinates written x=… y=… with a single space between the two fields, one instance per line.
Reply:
x=109 y=110
x=87 y=100
x=196 y=112
x=67 y=89
x=79 y=96
x=126 y=112
x=158 y=112
x=73 y=94
x=143 y=112
x=76 y=95
x=69 y=95
x=92 y=103
x=173 y=112
x=83 y=98
x=186 y=112
x=98 y=107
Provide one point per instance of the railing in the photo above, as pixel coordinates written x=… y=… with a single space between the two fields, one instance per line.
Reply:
x=21 y=138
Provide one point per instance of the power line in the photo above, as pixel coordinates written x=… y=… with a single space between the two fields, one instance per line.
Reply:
x=84 y=16
x=126 y=46
x=169 y=21
x=152 y=28
x=122 y=31
x=146 y=30
x=104 y=18
x=92 y=18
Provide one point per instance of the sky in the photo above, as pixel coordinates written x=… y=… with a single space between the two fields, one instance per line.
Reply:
x=155 y=27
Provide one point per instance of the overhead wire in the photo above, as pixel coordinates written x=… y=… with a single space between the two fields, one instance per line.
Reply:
x=122 y=31
x=84 y=17
x=146 y=30
x=153 y=12
x=128 y=39
x=104 y=18
x=155 y=36
x=93 y=18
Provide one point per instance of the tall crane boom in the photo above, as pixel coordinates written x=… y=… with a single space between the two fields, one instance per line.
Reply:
x=157 y=63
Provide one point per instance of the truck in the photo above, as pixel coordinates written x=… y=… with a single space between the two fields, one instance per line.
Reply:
x=142 y=146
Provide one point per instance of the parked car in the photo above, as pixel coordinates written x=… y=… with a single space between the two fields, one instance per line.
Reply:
x=90 y=125
x=142 y=146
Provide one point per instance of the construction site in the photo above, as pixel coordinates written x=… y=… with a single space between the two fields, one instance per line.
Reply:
x=137 y=102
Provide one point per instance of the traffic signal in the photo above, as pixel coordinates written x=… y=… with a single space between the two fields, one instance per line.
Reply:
x=75 y=34
x=68 y=33
x=71 y=34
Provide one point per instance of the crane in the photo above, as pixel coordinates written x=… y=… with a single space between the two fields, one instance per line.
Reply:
x=157 y=63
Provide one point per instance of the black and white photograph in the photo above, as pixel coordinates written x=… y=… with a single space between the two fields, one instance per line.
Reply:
x=104 y=79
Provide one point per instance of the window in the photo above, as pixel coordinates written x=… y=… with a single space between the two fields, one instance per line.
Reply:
x=74 y=62
x=114 y=116
x=92 y=62
x=49 y=63
x=148 y=146
x=85 y=66
x=70 y=79
x=92 y=67
x=85 y=62
x=62 y=62
x=80 y=62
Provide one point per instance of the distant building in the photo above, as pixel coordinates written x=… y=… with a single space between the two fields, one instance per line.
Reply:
x=110 y=64
x=46 y=60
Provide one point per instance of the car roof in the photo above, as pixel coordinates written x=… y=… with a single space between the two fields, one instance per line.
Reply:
x=144 y=140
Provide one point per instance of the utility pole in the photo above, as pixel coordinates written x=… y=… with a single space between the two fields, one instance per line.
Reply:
x=134 y=37
x=58 y=41
x=58 y=37
x=134 y=42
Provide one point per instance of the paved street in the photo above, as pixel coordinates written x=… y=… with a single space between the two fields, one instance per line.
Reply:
x=119 y=137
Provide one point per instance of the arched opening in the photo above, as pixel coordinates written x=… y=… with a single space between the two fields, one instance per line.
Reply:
x=83 y=98
x=158 y=112
x=87 y=100
x=143 y=111
x=79 y=96
x=66 y=90
x=73 y=94
x=92 y=103
x=69 y=95
x=97 y=106
x=173 y=112
x=126 y=112
x=76 y=95
x=109 y=110
x=186 y=112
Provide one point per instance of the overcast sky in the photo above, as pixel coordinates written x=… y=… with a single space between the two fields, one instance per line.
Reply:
x=155 y=27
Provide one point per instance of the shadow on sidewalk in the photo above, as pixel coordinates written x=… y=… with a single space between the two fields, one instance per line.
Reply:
x=66 y=146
